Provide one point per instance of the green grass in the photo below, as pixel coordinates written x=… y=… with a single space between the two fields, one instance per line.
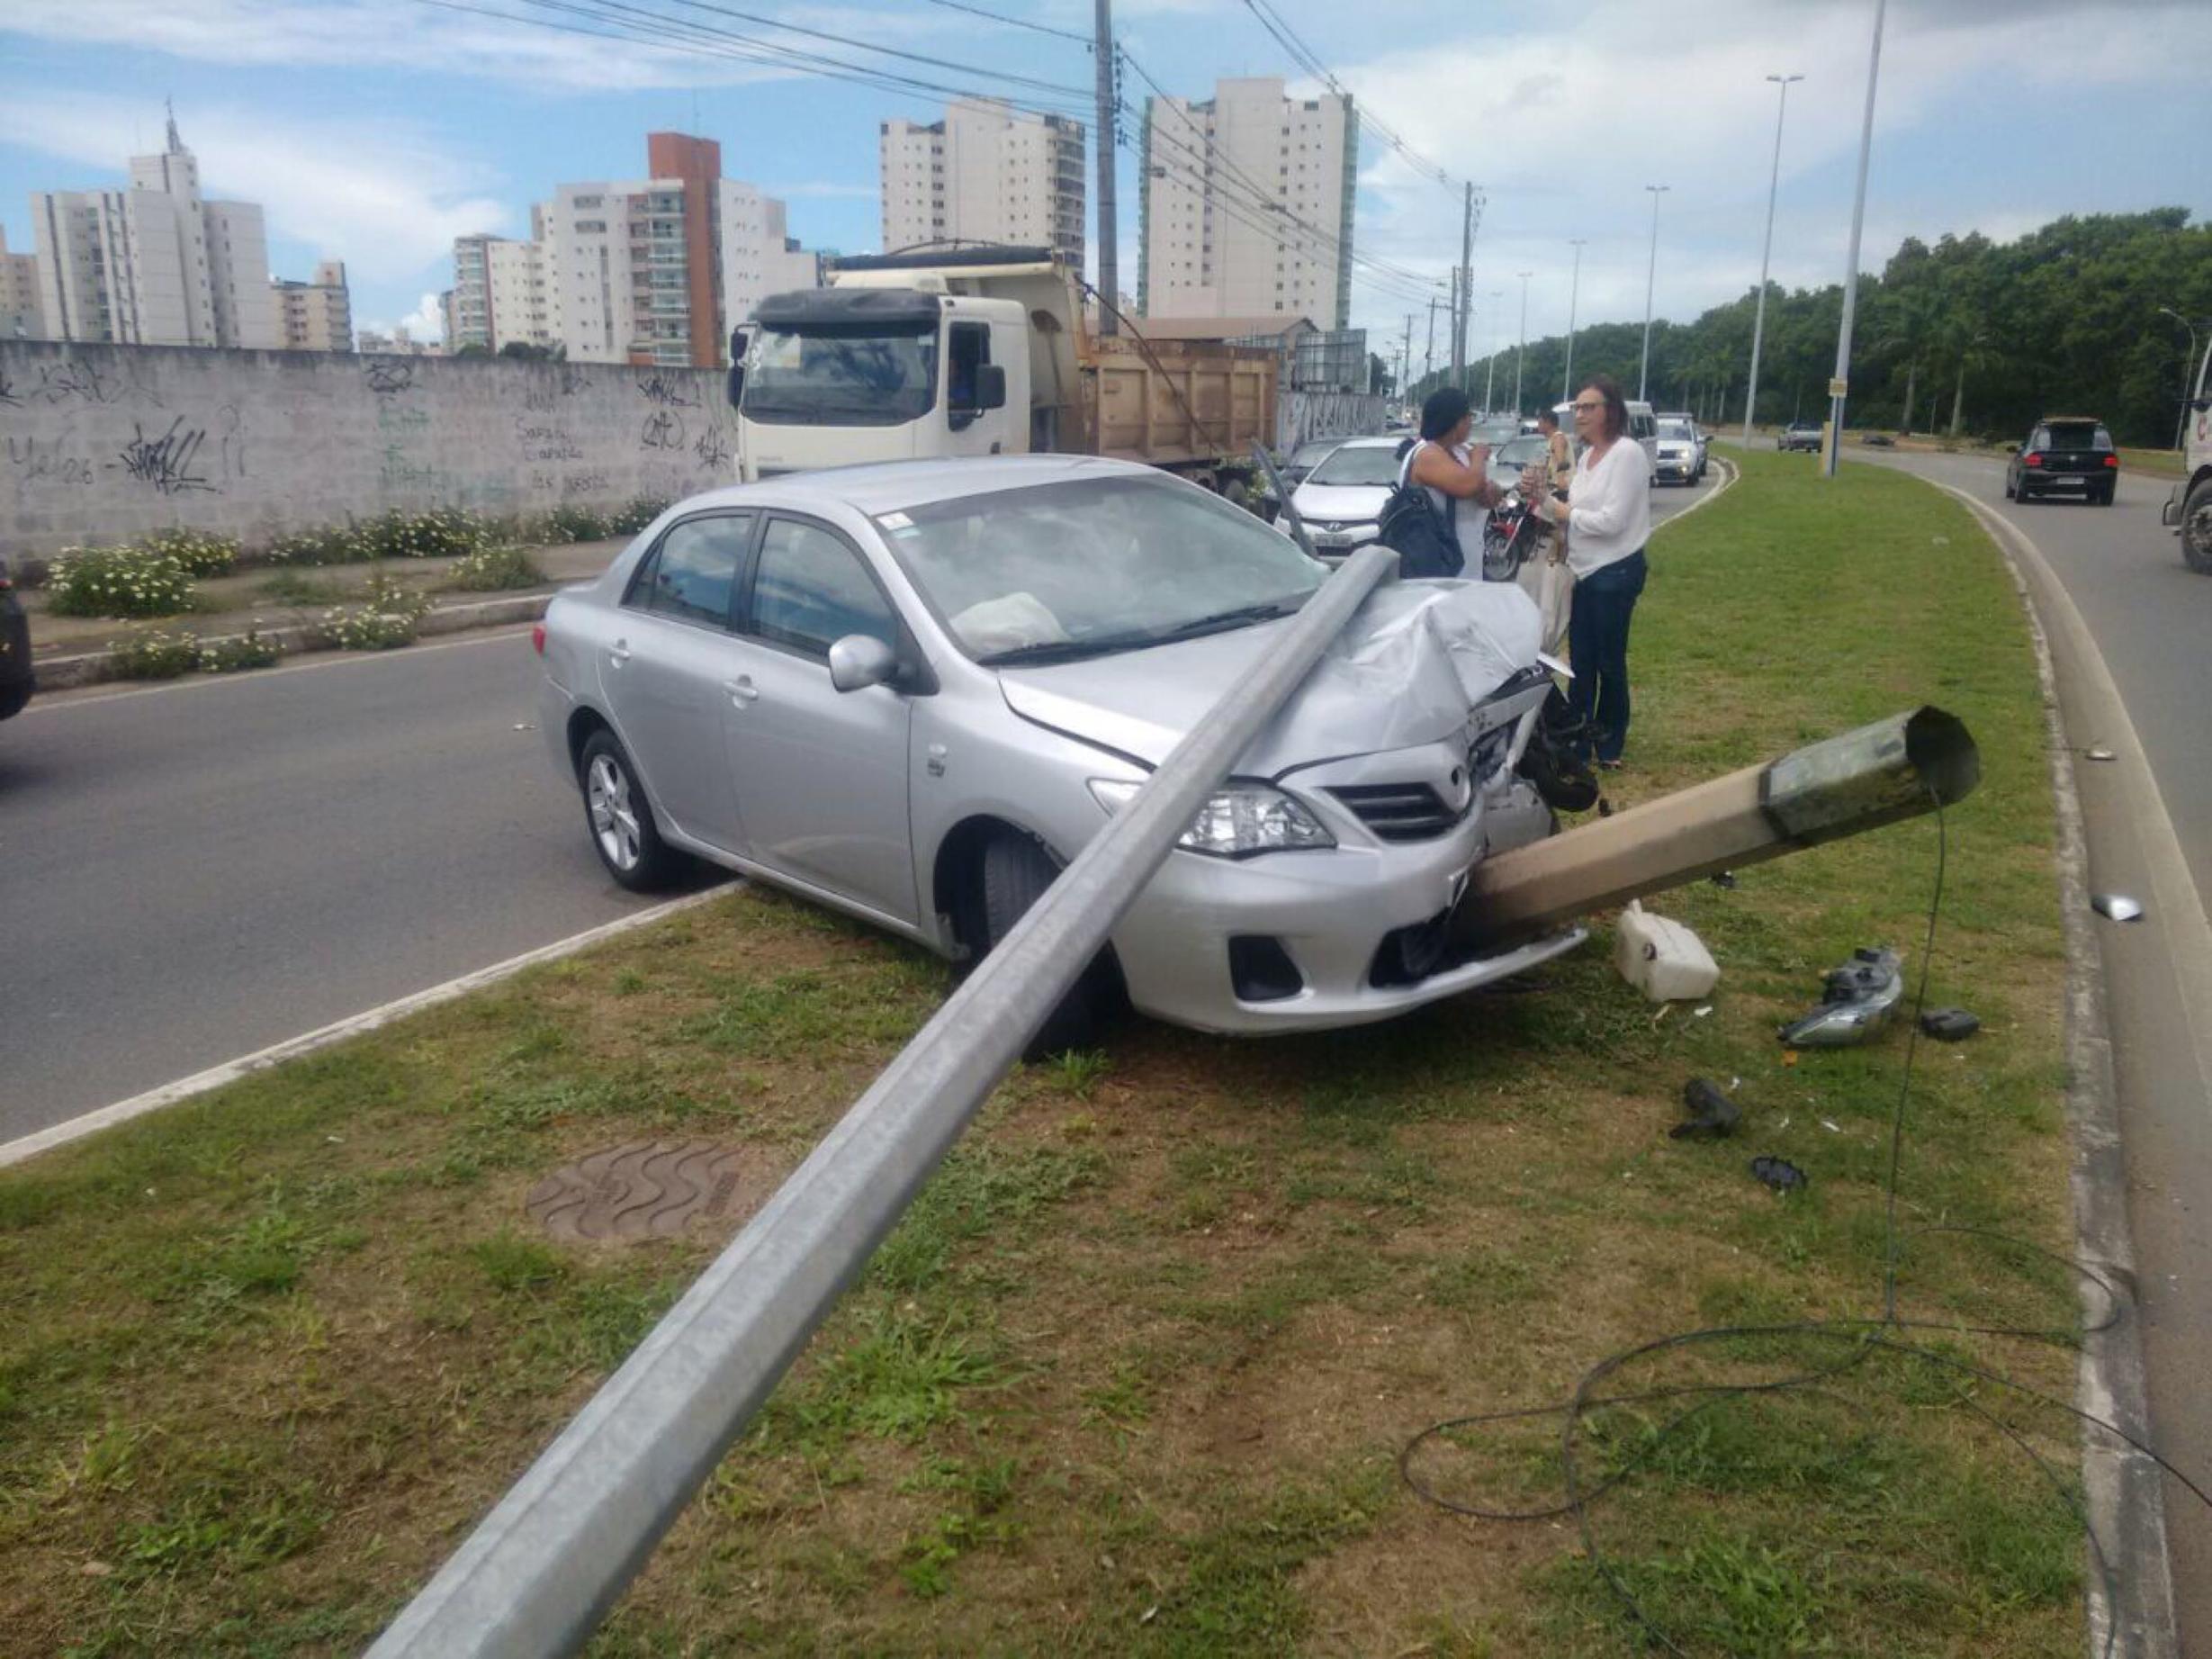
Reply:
x=1132 y=1373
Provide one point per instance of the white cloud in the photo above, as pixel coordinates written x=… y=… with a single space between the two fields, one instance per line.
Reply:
x=426 y=322
x=354 y=191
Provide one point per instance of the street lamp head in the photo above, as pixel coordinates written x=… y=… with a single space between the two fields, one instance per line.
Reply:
x=1784 y=80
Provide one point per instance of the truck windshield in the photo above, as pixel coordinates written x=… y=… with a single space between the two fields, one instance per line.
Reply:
x=837 y=378
x=1077 y=569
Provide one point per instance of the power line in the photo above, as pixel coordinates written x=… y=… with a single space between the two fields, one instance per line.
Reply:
x=1308 y=60
x=887 y=52
x=1014 y=22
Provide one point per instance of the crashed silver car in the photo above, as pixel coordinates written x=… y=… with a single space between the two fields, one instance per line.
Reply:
x=913 y=692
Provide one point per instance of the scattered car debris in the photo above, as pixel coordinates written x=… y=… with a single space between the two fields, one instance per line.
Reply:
x=1949 y=1025
x=1833 y=1127
x=1778 y=1173
x=1711 y=1114
x=2118 y=906
x=1662 y=958
x=1724 y=879
x=1856 y=1000
x=2098 y=751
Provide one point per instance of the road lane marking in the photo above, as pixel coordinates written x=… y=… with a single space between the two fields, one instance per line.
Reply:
x=354 y=1025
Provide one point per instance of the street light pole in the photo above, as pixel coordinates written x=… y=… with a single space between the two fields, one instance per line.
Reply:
x=1840 y=389
x=1758 y=317
x=2181 y=419
x=1520 y=350
x=1644 y=372
x=1489 y=381
x=1574 y=292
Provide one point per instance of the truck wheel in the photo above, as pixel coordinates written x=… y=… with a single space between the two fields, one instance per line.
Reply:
x=2197 y=527
x=1016 y=871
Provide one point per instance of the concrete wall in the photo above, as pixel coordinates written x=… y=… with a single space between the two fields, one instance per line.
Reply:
x=100 y=444
x=1303 y=415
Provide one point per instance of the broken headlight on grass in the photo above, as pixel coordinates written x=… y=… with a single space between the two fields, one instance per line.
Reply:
x=1238 y=820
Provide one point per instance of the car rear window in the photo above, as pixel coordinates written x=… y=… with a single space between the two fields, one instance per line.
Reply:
x=2078 y=435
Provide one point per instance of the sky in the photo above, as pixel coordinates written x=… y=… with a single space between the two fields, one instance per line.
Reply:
x=376 y=130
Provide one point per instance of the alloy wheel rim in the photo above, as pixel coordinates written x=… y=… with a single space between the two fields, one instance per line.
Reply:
x=614 y=819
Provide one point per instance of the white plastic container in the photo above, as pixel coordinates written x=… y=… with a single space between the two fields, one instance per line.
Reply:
x=1663 y=959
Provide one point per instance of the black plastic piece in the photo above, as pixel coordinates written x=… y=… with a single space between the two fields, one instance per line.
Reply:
x=1261 y=970
x=1949 y=1025
x=1408 y=955
x=1778 y=1173
x=1711 y=1114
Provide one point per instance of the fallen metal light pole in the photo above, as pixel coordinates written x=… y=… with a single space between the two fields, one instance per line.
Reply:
x=1895 y=769
x=542 y=1569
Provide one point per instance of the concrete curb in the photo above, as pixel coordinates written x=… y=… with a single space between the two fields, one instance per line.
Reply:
x=98 y=667
x=2123 y=1489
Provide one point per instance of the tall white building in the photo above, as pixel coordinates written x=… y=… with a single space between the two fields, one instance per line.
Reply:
x=759 y=257
x=987 y=172
x=616 y=271
x=155 y=264
x=317 y=316
x=22 y=317
x=498 y=294
x=1247 y=204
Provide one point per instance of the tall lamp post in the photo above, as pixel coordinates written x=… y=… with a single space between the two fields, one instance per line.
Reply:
x=2180 y=421
x=1643 y=372
x=1489 y=380
x=1839 y=388
x=1758 y=317
x=1520 y=350
x=1574 y=292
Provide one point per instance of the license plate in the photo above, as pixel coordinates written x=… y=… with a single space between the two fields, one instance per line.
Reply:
x=1331 y=538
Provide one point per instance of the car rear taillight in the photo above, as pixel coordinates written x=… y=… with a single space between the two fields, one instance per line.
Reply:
x=2031 y=459
x=2112 y=460
x=538 y=637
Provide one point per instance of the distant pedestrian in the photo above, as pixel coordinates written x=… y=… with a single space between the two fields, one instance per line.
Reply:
x=1608 y=518
x=1456 y=475
x=1559 y=451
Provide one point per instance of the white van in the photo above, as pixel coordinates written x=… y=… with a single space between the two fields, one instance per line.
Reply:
x=1642 y=425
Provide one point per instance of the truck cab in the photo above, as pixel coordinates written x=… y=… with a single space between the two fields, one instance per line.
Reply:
x=2188 y=510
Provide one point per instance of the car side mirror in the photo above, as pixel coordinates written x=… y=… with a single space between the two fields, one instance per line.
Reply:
x=860 y=661
x=990 y=386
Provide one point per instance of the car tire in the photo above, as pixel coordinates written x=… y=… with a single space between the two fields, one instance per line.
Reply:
x=2197 y=527
x=2011 y=492
x=1016 y=871
x=620 y=820
x=2104 y=495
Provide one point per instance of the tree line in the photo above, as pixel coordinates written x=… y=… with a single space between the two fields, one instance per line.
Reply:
x=1967 y=337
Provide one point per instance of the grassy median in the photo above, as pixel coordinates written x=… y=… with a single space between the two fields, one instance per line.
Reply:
x=1134 y=1375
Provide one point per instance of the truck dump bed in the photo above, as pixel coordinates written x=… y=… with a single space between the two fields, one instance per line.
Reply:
x=1176 y=403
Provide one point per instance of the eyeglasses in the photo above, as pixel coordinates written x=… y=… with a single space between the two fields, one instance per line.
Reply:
x=1585 y=408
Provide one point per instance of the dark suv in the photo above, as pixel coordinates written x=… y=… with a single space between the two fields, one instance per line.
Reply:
x=15 y=681
x=2064 y=455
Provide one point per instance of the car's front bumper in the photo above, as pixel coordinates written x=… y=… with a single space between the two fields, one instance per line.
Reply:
x=1337 y=544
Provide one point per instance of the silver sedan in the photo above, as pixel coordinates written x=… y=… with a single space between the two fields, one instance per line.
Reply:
x=913 y=692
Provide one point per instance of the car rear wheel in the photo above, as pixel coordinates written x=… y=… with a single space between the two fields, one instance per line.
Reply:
x=623 y=832
x=2104 y=496
x=1016 y=871
x=2197 y=527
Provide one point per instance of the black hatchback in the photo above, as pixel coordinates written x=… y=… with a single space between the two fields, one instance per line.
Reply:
x=15 y=681
x=2065 y=454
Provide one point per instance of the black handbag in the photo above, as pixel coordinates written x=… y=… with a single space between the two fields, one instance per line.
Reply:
x=1424 y=539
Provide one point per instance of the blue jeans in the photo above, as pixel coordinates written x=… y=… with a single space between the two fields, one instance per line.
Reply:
x=1597 y=643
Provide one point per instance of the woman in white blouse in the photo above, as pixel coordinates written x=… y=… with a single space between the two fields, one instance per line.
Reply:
x=1607 y=512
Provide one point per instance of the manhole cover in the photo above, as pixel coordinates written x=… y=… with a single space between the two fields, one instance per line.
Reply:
x=641 y=1189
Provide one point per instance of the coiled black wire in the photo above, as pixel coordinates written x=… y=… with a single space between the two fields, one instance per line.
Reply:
x=1858 y=1338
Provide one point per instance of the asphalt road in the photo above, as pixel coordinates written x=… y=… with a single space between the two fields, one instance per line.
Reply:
x=193 y=872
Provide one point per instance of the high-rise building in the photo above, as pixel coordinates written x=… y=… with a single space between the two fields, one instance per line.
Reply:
x=21 y=316
x=498 y=294
x=1247 y=204
x=758 y=257
x=317 y=316
x=155 y=264
x=987 y=172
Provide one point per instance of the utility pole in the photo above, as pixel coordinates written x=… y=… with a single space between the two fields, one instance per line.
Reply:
x=1490 y=383
x=1574 y=292
x=1405 y=360
x=1643 y=372
x=1428 y=357
x=1102 y=137
x=1520 y=351
x=1758 y=317
x=1467 y=294
x=1839 y=388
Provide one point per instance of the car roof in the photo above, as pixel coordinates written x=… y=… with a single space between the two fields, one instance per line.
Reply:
x=880 y=487
x=2091 y=420
x=1391 y=442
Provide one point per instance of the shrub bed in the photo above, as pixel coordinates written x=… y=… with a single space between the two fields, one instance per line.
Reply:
x=117 y=581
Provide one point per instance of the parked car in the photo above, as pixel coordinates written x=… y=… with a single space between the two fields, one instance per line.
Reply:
x=1680 y=458
x=1342 y=498
x=2064 y=455
x=16 y=679
x=912 y=691
x=1877 y=441
x=1494 y=430
x=1800 y=435
x=1509 y=457
x=1698 y=435
x=1303 y=460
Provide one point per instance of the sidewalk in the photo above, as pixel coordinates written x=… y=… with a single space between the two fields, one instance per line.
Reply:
x=287 y=604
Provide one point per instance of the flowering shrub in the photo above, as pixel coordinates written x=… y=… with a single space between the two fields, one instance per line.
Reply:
x=117 y=581
x=332 y=544
x=629 y=520
x=386 y=617
x=199 y=552
x=442 y=532
x=155 y=656
x=568 y=523
x=490 y=569
x=251 y=649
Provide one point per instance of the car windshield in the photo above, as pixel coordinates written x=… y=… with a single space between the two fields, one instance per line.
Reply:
x=1089 y=566
x=1494 y=431
x=1365 y=464
x=1677 y=429
x=1309 y=454
x=1522 y=452
x=832 y=378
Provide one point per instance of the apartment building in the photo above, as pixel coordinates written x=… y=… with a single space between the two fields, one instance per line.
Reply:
x=757 y=257
x=317 y=316
x=21 y=318
x=500 y=294
x=987 y=172
x=155 y=263
x=1247 y=207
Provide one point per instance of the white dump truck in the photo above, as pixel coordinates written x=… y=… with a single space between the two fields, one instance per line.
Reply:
x=2189 y=511
x=984 y=352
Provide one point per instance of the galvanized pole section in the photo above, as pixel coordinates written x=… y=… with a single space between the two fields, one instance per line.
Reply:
x=1840 y=392
x=2181 y=422
x=1644 y=372
x=1758 y=317
x=1466 y=289
x=1405 y=362
x=1520 y=350
x=1574 y=292
x=1489 y=379
x=1428 y=357
x=542 y=1570
x=1102 y=138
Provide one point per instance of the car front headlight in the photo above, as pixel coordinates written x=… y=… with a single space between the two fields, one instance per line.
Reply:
x=1238 y=820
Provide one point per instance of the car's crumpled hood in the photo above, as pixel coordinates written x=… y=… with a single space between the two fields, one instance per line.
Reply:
x=1339 y=503
x=1414 y=660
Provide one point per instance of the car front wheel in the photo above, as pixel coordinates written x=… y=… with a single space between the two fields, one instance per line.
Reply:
x=1016 y=871
x=623 y=832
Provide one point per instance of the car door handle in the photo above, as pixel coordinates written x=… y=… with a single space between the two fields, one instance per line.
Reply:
x=742 y=690
x=620 y=654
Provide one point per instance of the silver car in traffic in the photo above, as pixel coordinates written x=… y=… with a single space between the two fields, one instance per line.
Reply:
x=913 y=692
